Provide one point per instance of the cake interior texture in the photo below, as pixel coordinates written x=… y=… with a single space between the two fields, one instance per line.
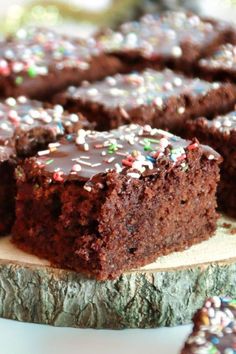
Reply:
x=220 y=134
x=117 y=221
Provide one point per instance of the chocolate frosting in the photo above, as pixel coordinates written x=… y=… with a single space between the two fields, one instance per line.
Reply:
x=223 y=58
x=160 y=34
x=131 y=149
x=150 y=87
x=225 y=123
x=36 y=51
x=22 y=114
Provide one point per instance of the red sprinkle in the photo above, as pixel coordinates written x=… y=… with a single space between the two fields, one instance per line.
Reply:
x=192 y=146
x=127 y=163
x=57 y=176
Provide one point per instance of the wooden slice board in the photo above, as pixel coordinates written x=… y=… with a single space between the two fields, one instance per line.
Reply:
x=163 y=293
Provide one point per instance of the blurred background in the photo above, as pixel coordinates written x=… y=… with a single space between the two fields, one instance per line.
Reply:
x=65 y=15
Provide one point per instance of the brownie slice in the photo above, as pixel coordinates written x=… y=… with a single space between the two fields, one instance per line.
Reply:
x=7 y=189
x=175 y=39
x=162 y=99
x=38 y=62
x=110 y=201
x=220 y=133
x=29 y=126
x=220 y=66
x=214 y=328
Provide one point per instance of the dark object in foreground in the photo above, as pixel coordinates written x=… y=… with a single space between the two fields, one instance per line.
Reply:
x=214 y=328
x=116 y=200
x=7 y=189
x=220 y=134
x=162 y=99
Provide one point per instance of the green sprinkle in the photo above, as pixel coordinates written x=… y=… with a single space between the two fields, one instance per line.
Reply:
x=19 y=80
x=32 y=72
x=112 y=148
x=150 y=140
x=148 y=148
x=213 y=350
x=48 y=162
x=61 y=50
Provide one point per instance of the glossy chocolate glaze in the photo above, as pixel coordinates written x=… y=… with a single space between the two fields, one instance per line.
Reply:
x=225 y=123
x=37 y=51
x=223 y=58
x=161 y=34
x=22 y=114
x=148 y=88
x=132 y=150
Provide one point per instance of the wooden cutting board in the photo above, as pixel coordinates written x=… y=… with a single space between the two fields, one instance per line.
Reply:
x=163 y=293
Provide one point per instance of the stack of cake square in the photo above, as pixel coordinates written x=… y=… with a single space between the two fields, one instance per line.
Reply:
x=94 y=178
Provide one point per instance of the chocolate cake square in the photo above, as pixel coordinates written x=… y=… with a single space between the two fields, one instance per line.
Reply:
x=214 y=329
x=220 y=66
x=162 y=99
x=38 y=62
x=29 y=126
x=7 y=189
x=220 y=134
x=106 y=202
x=174 y=39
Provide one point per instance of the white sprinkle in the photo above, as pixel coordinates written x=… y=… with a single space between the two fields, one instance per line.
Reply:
x=43 y=152
x=87 y=188
x=216 y=85
x=92 y=91
x=11 y=101
x=86 y=147
x=83 y=65
x=110 y=160
x=53 y=145
x=158 y=101
x=22 y=99
x=177 y=51
x=181 y=110
x=177 y=81
x=111 y=81
x=83 y=162
x=96 y=164
x=133 y=174
x=118 y=167
x=84 y=157
x=76 y=167
x=211 y=157
x=168 y=86
x=42 y=70
x=121 y=153
x=17 y=67
x=124 y=113
x=116 y=91
x=74 y=118
x=58 y=108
